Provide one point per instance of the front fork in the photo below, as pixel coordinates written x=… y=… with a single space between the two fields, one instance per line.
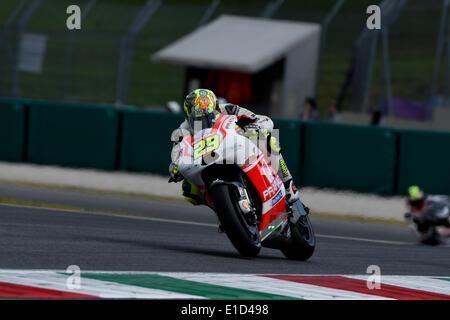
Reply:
x=245 y=204
x=294 y=215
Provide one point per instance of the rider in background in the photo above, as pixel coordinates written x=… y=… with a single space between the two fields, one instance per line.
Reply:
x=425 y=210
x=251 y=123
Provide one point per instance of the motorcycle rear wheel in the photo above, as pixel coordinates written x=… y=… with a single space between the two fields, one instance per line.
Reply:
x=233 y=222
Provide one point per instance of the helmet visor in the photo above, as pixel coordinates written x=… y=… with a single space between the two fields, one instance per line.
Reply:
x=201 y=119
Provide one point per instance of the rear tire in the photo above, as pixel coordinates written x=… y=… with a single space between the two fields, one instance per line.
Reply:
x=303 y=240
x=233 y=223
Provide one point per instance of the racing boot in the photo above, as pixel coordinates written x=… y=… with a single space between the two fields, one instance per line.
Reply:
x=291 y=192
x=192 y=193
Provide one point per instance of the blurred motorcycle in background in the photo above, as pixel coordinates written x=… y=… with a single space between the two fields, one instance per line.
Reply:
x=428 y=216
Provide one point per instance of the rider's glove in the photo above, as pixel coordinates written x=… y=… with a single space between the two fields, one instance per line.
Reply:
x=175 y=175
x=251 y=131
x=251 y=126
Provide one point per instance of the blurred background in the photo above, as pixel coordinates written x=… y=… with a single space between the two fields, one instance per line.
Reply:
x=401 y=71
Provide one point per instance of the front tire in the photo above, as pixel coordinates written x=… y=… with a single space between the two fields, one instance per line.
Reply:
x=247 y=243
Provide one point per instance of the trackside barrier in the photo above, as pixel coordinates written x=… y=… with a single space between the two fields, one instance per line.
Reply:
x=348 y=157
x=366 y=159
x=12 y=130
x=145 y=143
x=424 y=159
x=290 y=137
x=73 y=135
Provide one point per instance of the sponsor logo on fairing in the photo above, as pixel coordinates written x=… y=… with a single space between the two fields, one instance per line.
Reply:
x=269 y=192
x=277 y=198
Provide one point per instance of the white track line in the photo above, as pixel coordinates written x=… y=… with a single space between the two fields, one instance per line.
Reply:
x=362 y=239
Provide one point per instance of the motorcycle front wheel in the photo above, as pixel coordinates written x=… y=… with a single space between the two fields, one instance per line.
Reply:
x=244 y=237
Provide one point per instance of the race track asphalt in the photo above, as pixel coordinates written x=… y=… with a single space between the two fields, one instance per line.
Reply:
x=158 y=235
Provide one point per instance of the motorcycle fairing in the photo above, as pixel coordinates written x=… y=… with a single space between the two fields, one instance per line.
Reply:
x=265 y=178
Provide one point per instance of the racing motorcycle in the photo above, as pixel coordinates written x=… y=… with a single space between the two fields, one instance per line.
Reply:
x=431 y=226
x=243 y=189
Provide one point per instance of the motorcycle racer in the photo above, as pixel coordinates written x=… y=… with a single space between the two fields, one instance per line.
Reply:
x=426 y=211
x=252 y=126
